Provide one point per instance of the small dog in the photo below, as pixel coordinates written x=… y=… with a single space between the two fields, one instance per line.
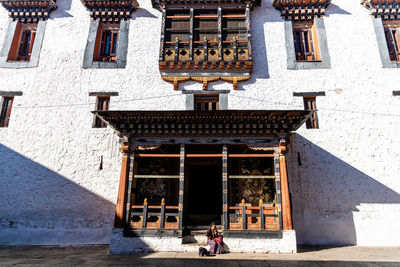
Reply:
x=203 y=252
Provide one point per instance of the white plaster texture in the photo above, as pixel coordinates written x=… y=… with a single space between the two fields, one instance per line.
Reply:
x=343 y=177
x=127 y=245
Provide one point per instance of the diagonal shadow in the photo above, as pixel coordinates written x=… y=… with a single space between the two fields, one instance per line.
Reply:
x=327 y=193
x=39 y=206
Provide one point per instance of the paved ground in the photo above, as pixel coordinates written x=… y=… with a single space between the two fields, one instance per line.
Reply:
x=99 y=256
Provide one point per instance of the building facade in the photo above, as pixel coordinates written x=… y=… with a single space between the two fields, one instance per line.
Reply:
x=115 y=114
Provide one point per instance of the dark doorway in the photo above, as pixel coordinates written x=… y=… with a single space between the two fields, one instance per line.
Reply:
x=204 y=195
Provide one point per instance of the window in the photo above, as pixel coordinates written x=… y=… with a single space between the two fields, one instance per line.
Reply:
x=309 y=104
x=6 y=111
x=206 y=102
x=392 y=29
x=102 y=104
x=106 y=43
x=22 y=45
x=306 y=41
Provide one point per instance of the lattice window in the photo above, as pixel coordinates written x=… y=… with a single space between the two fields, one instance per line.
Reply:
x=6 y=111
x=102 y=104
x=106 y=42
x=392 y=31
x=23 y=41
x=195 y=37
x=306 y=41
x=310 y=104
x=206 y=102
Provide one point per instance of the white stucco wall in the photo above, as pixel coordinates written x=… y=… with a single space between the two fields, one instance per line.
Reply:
x=346 y=190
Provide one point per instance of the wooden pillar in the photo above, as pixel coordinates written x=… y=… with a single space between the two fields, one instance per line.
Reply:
x=286 y=209
x=161 y=55
x=119 y=221
x=181 y=183
x=129 y=194
x=225 y=186
x=278 y=187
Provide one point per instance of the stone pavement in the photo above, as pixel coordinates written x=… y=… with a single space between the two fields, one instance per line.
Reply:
x=99 y=256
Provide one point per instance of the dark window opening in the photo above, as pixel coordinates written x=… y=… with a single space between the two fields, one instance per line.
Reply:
x=6 y=111
x=306 y=41
x=106 y=43
x=392 y=29
x=310 y=104
x=101 y=105
x=206 y=102
x=22 y=45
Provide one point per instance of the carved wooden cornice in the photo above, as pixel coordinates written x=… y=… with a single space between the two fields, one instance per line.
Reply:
x=201 y=3
x=385 y=9
x=301 y=9
x=205 y=80
x=237 y=124
x=111 y=10
x=29 y=11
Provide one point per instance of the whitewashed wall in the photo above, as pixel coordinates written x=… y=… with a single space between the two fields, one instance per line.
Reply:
x=346 y=191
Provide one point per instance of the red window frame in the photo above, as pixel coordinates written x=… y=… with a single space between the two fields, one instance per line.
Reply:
x=306 y=41
x=102 y=104
x=107 y=42
x=22 y=45
x=392 y=34
x=5 y=113
x=206 y=102
x=310 y=104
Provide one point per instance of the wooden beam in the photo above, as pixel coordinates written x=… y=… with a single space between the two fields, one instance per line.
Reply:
x=151 y=176
x=251 y=155
x=129 y=194
x=225 y=186
x=251 y=176
x=181 y=184
x=119 y=221
x=159 y=155
x=278 y=188
x=286 y=209
x=203 y=155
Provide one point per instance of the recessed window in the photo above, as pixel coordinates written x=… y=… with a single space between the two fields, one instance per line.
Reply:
x=106 y=42
x=392 y=29
x=206 y=102
x=22 y=45
x=306 y=41
x=102 y=104
x=5 y=114
x=310 y=104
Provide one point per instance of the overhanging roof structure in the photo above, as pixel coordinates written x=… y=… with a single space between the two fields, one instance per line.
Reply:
x=232 y=124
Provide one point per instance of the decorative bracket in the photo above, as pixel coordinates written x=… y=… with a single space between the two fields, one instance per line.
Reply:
x=205 y=80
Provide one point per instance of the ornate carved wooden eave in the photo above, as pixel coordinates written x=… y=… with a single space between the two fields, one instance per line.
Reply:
x=161 y=4
x=199 y=44
x=299 y=10
x=385 y=9
x=110 y=10
x=29 y=11
x=222 y=126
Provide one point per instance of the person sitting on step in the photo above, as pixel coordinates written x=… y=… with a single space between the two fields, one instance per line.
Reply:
x=214 y=239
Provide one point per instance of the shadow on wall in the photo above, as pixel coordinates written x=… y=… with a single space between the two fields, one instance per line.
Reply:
x=39 y=206
x=326 y=192
x=63 y=6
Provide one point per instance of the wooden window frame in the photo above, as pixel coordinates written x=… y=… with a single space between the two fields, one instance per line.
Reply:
x=392 y=36
x=102 y=104
x=211 y=101
x=23 y=41
x=106 y=50
x=311 y=105
x=206 y=35
x=5 y=112
x=305 y=40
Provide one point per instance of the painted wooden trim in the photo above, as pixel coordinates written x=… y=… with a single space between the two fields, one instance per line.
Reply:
x=225 y=186
x=122 y=192
x=129 y=193
x=286 y=209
